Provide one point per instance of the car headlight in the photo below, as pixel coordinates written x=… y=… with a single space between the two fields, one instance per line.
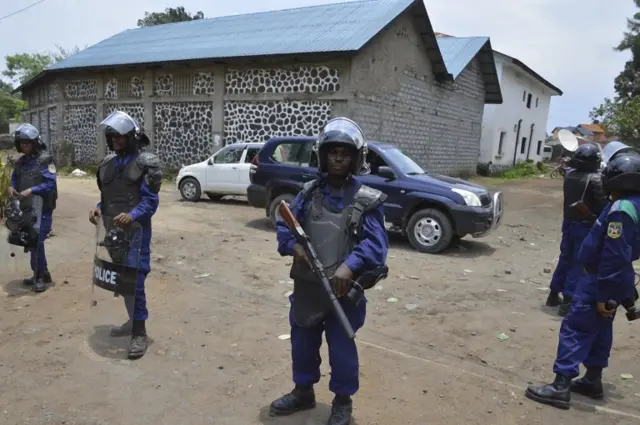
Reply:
x=470 y=198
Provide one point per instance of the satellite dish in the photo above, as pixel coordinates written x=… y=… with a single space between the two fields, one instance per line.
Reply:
x=612 y=149
x=568 y=140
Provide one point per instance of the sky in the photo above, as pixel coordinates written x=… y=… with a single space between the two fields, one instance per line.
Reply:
x=568 y=42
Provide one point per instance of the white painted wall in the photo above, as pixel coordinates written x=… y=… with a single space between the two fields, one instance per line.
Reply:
x=514 y=81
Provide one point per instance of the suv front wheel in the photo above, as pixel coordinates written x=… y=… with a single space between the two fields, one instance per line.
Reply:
x=429 y=230
x=273 y=207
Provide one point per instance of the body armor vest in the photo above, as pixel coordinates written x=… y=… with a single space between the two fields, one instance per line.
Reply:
x=333 y=234
x=33 y=177
x=583 y=186
x=120 y=185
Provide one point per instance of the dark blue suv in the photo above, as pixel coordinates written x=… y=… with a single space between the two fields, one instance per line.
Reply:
x=431 y=210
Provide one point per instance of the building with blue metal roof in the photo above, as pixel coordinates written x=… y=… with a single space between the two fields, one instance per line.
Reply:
x=197 y=86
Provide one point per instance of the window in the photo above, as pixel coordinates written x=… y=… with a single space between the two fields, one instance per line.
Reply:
x=308 y=157
x=524 y=95
x=375 y=162
x=401 y=160
x=539 y=147
x=251 y=153
x=529 y=101
x=229 y=155
x=537 y=99
x=523 y=146
x=288 y=153
x=503 y=134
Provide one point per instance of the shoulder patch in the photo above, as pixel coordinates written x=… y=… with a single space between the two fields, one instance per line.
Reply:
x=627 y=207
x=52 y=168
x=614 y=231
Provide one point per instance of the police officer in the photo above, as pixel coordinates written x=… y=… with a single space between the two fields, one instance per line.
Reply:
x=607 y=254
x=583 y=203
x=345 y=223
x=35 y=174
x=129 y=181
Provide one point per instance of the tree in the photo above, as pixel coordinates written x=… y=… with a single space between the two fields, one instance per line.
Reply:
x=169 y=15
x=22 y=67
x=621 y=115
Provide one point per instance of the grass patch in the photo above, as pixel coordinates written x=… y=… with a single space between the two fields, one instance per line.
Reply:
x=522 y=170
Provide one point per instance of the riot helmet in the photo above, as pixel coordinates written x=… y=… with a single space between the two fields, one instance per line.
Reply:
x=341 y=131
x=586 y=158
x=622 y=173
x=28 y=133
x=119 y=123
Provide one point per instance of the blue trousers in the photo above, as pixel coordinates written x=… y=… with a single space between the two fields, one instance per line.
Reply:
x=569 y=271
x=38 y=256
x=343 y=353
x=585 y=337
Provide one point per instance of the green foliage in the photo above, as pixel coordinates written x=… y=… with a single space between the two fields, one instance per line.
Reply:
x=22 y=67
x=5 y=182
x=521 y=170
x=620 y=117
x=540 y=166
x=170 y=15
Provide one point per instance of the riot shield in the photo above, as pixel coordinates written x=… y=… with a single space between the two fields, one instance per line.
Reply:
x=20 y=244
x=113 y=288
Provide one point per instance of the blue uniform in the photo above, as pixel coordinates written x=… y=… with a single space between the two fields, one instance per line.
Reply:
x=48 y=186
x=569 y=270
x=142 y=214
x=370 y=253
x=607 y=254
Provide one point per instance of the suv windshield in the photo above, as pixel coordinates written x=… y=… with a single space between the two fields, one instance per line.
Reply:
x=404 y=162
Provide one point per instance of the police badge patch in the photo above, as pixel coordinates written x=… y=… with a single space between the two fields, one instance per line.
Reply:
x=614 y=230
x=52 y=168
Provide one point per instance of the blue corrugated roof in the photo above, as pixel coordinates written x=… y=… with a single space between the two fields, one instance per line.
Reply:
x=315 y=29
x=457 y=52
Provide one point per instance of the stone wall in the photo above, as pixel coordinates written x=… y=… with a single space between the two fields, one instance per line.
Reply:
x=439 y=124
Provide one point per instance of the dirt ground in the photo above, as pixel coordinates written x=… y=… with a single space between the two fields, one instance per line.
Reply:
x=217 y=303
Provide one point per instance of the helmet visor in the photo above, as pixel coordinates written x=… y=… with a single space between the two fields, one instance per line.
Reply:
x=120 y=122
x=26 y=131
x=344 y=126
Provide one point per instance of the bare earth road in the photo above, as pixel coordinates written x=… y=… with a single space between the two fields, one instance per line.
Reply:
x=217 y=303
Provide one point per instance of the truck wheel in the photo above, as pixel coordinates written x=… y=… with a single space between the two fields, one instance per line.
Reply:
x=273 y=207
x=429 y=231
x=190 y=189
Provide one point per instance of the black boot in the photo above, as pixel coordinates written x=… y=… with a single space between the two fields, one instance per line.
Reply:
x=341 y=409
x=139 y=340
x=39 y=285
x=590 y=385
x=565 y=307
x=557 y=394
x=553 y=300
x=46 y=277
x=124 y=330
x=301 y=398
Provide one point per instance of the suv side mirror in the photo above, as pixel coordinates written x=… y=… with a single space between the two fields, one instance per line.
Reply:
x=210 y=162
x=386 y=172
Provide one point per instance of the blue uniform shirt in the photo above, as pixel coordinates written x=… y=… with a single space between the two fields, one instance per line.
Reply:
x=608 y=252
x=370 y=253
x=149 y=201
x=27 y=163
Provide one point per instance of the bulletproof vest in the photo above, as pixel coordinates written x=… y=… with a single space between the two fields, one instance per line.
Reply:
x=26 y=179
x=120 y=185
x=583 y=186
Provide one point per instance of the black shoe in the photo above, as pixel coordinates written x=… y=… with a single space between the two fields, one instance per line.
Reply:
x=590 y=385
x=124 y=330
x=557 y=394
x=565 y=307
x=139 y=340
x=47 y=277
x=39 y=286
x=553 y=300
x=341 y=411
x=299 y=399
